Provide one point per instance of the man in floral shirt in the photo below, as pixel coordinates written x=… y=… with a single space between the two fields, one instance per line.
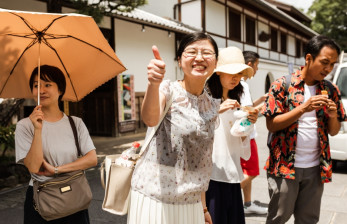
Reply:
x=300 y=118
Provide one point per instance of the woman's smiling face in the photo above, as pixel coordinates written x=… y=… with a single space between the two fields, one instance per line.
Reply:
x=49 y=92
x=201 y=65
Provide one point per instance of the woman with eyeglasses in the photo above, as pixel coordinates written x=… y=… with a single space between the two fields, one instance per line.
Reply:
x=170 y=180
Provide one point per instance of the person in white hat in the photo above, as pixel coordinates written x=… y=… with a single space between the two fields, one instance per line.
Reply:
x=224 y=198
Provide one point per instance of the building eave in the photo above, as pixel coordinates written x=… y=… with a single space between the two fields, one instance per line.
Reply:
x=145 y=18
x=291 y=9
x=282 y=16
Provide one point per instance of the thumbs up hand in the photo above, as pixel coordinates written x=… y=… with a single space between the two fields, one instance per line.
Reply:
x=156 y=68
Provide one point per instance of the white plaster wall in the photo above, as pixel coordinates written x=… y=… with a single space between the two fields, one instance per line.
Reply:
x=24 y=5
x=283 y=58
x=134 y=49
x=191 y=14
x=263 y=27
x=220 y=41
x=274 y=55
x=235 y=44
x=215 y=18
x=300 y=61
x=163 y=8
x=257 y=83
x=291 y=45
x=263 y=53
x=291 y=59
x=250 y=48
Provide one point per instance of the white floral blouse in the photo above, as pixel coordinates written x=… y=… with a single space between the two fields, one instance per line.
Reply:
x=176 y=167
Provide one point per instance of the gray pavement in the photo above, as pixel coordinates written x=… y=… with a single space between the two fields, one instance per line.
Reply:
x=333 y=209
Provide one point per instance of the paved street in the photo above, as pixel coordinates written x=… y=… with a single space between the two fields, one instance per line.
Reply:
x=334 y=203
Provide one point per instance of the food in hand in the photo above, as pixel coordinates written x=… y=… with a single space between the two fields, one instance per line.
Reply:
x=324 y=92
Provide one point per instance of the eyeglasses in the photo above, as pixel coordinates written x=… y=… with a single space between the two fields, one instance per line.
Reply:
x=207 y=54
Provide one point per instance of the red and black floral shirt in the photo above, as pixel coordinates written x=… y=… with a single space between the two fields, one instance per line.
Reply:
x=282 y=147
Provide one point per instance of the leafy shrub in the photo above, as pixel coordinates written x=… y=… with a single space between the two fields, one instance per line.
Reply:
x=7 y=138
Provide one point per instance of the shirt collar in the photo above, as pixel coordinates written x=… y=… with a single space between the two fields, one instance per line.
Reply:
x=298 y=80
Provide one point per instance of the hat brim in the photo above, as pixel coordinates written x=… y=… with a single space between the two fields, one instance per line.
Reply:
x=233 y=69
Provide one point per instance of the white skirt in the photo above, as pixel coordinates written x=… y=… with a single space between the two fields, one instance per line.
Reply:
x=145 y=210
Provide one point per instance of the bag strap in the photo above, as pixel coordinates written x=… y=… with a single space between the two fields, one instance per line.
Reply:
x=145 y=145
x=154 y=130
x=288 y=81
x=74 y=130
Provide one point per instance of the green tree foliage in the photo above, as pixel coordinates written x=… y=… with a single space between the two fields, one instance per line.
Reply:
x=7 y=138
x=329 y=17
x=98 y=8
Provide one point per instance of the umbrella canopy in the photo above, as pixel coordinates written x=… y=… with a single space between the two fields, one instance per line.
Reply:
x=71 y=42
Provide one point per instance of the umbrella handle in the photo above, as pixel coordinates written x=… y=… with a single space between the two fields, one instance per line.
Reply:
x=39 y=76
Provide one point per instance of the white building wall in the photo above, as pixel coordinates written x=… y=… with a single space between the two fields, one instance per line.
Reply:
x=291 y=45
x=134 y=49
x=283 y=58
x=250 y=48
x=163 y=8
x=262 y=27
x=300 y=61
x=220 y=41
x=264 y=53
x=191 y=14
x=29 y=5
x=215 y=18
x=274 y=55
x=266 y=67
x=235 y=44
x=291 y=59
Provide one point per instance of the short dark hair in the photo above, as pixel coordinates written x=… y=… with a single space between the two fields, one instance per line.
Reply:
x=216 y=89
x=49 y=73
x=193 y=37
x=250 y=56
x=315 y=45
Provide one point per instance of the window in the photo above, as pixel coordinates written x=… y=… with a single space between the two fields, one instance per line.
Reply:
x=250 y=31
x=234 y=25
x=298 y=48
x=274 y=41
x=283 y=43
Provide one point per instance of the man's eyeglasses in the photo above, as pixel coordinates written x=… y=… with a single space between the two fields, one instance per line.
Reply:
x=207 y=54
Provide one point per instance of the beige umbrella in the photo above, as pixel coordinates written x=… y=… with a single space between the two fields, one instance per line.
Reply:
x=71 y=42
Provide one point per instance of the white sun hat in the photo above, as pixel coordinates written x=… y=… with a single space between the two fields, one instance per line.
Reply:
x=231 y=61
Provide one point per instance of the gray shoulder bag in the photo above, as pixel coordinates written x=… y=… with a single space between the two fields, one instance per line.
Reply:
x=65 y=194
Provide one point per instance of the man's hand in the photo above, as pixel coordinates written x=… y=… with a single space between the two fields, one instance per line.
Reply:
x=315 y=102
x=331 y=109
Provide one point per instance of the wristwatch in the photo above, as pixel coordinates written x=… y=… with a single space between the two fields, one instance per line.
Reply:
x=55 y=170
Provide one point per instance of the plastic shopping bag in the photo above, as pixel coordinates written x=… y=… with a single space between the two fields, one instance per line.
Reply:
x=242 y=126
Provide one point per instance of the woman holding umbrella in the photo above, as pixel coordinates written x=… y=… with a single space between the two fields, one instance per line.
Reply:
x=45 y=142
x=170 y=179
